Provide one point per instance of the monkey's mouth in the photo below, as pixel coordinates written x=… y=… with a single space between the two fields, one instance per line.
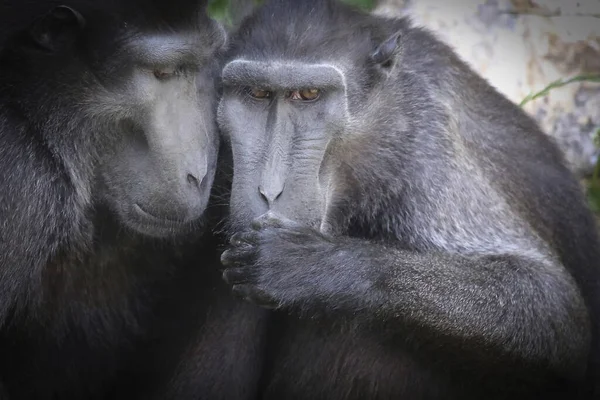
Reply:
x=144 y=222
x=159 y=220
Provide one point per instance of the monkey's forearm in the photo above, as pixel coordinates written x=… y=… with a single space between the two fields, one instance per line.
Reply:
x=35 y=221
x=524 y=308
x=493 y=306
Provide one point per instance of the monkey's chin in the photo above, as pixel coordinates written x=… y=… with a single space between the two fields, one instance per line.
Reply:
x=147 y=224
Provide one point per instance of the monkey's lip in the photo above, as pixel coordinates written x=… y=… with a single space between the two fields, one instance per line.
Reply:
x=159 y=220
x=143 y=222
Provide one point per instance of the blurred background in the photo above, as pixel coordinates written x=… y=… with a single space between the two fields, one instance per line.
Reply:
x=542 y=54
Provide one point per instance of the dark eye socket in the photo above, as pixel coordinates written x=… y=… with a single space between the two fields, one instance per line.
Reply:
x=258 y=93
x=305 y=94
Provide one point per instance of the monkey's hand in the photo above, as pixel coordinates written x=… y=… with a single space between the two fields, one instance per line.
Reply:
x=277 y=263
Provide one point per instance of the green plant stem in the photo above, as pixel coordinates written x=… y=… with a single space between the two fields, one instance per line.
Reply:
x=596 y=173
x=559 y=83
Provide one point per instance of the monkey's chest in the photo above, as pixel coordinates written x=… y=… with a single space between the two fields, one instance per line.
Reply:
x=310 y=362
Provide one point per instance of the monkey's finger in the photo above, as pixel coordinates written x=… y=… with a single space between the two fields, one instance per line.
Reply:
x=244 y=238
x=237 y=256
x=267 y=220
x=254 y=295
x=272 y=220
x=236 y=276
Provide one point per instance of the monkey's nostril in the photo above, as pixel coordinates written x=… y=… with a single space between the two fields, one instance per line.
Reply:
x=193 y=180
x=262 y=194
x=269 y=196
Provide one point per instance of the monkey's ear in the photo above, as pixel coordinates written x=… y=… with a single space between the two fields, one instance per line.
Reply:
x=58 y=28
x=384 y=53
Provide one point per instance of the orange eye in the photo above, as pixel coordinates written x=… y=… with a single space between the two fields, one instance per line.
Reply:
x=259 y=93
x=305 y=94
x=309 y=94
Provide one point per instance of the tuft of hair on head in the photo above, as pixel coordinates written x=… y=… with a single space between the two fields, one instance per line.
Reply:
x=304 y=29
x=321 y=31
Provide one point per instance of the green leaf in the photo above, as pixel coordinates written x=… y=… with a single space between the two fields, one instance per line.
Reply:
x=593 y=197
x=366 y=4
x=221 y=9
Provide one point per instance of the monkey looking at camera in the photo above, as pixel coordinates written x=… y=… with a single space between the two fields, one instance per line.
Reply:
x=419 y=233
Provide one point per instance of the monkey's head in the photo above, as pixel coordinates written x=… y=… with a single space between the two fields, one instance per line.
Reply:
x=301 y=86
x=122 y=94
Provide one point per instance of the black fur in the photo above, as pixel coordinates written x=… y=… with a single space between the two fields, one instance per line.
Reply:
x=89 y=308
x=459 y=259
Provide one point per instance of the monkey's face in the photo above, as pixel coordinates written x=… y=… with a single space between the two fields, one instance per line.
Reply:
x=300 y=87
x=281 y=119
x=157 y=174
x=132 y=114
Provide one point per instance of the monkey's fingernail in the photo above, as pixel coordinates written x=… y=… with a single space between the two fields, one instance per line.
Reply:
x=241 y=291
x=257 y=225
x=236 y=239
x=226 y=258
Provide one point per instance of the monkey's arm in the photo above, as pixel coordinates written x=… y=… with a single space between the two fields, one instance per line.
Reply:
x=525 y=309
x=38 y=215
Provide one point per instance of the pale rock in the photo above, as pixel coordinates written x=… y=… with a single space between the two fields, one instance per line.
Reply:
x=520 y=47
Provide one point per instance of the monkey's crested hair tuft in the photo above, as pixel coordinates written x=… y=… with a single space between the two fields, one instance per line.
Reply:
x=309 y=30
